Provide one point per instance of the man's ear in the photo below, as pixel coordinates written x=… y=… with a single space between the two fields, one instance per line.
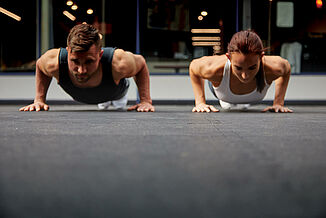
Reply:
x=228 y=56
x=262 y=55
x=101 y=53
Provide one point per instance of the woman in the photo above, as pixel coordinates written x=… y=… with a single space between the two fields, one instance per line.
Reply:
x=241 y=76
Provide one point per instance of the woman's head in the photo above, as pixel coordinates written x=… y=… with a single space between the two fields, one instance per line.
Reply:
x=245 y=51
x=246 y=42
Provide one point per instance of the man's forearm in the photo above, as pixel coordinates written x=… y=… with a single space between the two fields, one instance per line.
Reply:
x=142 y=81
x=42 y=83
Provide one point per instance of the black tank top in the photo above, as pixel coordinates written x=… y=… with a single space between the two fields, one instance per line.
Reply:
x=108 y=90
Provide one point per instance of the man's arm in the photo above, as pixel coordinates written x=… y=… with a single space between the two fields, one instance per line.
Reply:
x=125 y=65
x=47 y=66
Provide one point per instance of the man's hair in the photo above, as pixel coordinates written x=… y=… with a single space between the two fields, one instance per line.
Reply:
x=82 y=37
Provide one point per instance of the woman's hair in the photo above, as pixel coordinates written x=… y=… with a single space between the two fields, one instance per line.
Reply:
x=82 y=37
x=248 y=42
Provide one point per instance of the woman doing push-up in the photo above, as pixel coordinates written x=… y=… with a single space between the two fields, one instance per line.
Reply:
x=241 y=76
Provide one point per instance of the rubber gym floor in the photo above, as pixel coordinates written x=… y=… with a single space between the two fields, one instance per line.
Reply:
x=77 y=161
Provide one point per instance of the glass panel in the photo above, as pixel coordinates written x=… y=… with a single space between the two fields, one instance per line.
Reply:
x=18 y=37
x=169 y=42
x=167 y=45
x=303 y=44
x=69 y=13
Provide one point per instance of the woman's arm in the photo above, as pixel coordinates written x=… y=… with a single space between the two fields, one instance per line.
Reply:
x=198 y=72
x=281 y=83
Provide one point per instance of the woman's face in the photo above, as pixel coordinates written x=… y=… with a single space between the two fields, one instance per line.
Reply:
x=245 y=66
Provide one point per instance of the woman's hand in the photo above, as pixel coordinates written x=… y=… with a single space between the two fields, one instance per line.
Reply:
x=278 y=109
x=202 y=107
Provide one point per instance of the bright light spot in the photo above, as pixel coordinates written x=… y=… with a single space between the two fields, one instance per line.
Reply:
x=69 y=3
x=84 y=22
x=319 y=3
x=90 y=11
x=70 y=16
x=74 y=7
x=12 y=15
x=205 y=30
x=204 y=13
x=200 y=17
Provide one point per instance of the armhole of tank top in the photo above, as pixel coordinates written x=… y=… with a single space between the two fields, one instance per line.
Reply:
x=226 y=75
x=264 y=74
x=62 y=61
x=223 y=75
x=228 y=67
x=106 y=62
x=108 y=54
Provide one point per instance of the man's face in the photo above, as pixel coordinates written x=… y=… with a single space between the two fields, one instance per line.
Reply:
x=83 y=65
x=245 y=67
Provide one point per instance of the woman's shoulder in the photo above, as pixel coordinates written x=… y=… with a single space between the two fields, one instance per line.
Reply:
x=275 y=66
x=209 y=66
x=275 y=62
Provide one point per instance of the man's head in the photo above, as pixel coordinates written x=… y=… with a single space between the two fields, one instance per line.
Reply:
x=82 y=37
x=84 y=52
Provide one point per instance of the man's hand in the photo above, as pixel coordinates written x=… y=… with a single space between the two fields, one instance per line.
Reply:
x=204 y=108
x=36 y=106
x=278 y=109
x=142 y=107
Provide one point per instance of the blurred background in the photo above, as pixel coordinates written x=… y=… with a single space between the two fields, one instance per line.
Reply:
x=168 y=33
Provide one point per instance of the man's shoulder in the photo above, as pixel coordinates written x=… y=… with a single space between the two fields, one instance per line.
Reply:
x=52 y=52
x=51 y=56
x=122 y=55
x=49 y=62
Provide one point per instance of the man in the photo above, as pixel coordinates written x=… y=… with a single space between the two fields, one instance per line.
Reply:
x=90 y=74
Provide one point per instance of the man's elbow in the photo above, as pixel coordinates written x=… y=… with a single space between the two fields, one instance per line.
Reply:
x=140 y=61
x=139 y=65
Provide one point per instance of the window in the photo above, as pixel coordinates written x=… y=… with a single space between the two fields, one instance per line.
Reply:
x=69 y=13
x=18 y=46
x=168 y=41
x=300 y=39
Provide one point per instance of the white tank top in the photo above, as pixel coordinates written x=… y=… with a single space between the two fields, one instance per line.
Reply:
x=224 y=93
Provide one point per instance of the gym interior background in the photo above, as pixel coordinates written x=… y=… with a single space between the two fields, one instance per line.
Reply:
x=164 y=32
